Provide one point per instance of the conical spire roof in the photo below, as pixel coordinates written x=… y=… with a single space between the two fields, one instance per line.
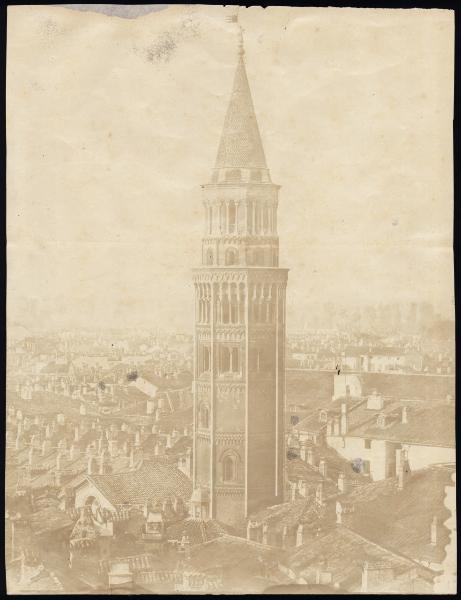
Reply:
x=240 y=145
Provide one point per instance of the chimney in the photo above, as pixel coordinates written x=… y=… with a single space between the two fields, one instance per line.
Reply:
x=73 y=452
x=284 y=536
x=125 y=448
x=113 y=450
x=100 y=445
x=319 y=494
x=299 y=535
x=365 y=577
x=76 y=434
x=31 y=456
x=339 y=513
x=310 y=457
x=154 y=429
x=342 y=482
x=343 y=422
x=323 y=468
x=434 y=531
x=302 y=452
x=336 y=426
x=404 y=415
x=90 y=465
x=137 y=438
x=102 y=463
x=132 y=458
x=264 y=537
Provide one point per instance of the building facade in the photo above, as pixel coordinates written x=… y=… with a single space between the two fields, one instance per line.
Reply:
x=240 y=325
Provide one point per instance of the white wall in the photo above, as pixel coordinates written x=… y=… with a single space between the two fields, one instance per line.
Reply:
x=88 y=489
x=382 y=453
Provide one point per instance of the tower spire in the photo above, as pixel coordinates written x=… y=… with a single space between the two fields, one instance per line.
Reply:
x=240 y=145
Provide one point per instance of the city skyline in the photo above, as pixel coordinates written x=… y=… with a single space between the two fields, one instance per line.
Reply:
x=103 y=194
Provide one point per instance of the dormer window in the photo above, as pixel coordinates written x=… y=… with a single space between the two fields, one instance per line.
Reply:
x=323 y=416
x=381 y=421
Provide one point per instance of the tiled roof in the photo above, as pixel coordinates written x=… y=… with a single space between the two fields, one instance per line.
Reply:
x=343 y=552
x=428 y=423
x=151 y=480
x=197 y=530
x=240 y=144
x=48 y=520
x=291 y=514
x=401 y=519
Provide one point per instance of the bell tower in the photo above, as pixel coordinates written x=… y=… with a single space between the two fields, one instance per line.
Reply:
x=239 y=351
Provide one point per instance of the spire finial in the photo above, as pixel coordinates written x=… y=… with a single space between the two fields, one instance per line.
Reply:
x=234 y=19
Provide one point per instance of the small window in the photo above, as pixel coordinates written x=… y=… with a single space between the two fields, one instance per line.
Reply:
x=367 y=444
x=204 y=416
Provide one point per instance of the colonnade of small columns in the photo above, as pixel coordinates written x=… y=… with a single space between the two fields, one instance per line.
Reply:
x=230 y=302
x=226 y=218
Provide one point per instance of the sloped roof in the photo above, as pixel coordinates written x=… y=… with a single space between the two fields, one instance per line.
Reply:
x=401 y=519
x=428 y=422
x=150 y=480
x=48 y=520
x=198 y=530
x=343 y=552
x=240 y=144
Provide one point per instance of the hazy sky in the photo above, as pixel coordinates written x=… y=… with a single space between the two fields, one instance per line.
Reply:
x=114 y=123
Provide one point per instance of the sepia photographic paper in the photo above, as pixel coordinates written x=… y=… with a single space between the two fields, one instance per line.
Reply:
x=230 y=302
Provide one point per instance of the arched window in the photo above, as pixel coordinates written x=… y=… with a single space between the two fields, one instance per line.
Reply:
x=250 y=216
x=209 y=257
x=225 y=307
x=229 y=468
x=235 y=360
x=225 y=359
x=231 y=257
x=204 y=416
x=232 y=217
x=206 y=358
